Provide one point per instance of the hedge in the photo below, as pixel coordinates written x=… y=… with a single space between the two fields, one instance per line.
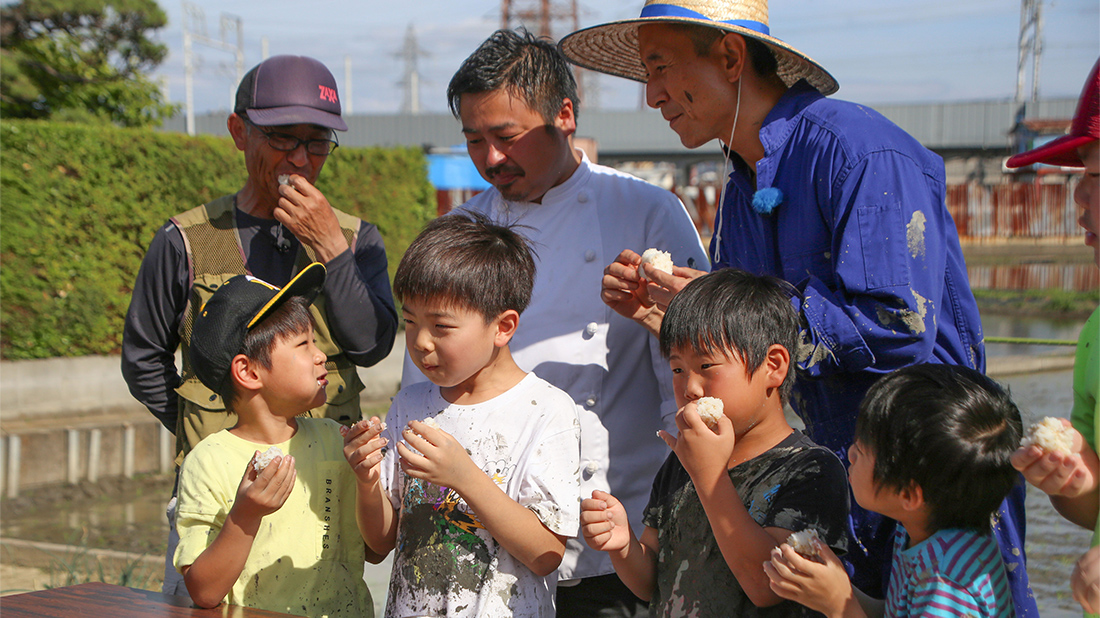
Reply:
x=81 y=204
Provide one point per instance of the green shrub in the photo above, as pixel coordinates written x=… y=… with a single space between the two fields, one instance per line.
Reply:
x=81 y=204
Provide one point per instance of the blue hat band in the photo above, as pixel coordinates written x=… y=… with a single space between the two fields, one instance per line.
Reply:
x=669 y=10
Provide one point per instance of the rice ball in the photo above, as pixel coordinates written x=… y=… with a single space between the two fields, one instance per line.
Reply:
x=369 y=423
x=657 y=260
x=802 y=542
x=430 y=422
x=265 y=458
x=1050 y=435
x=710 y=410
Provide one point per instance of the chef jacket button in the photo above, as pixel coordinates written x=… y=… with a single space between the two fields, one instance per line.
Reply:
x=591 y=467
x=591 y=328
x=582 y=198
x=591 y=401
x=589 y=255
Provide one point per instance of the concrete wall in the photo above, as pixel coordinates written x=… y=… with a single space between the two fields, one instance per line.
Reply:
x=67 y=420
x=91 y=385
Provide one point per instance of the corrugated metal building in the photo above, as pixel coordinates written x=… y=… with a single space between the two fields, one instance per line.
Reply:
x=972 y=137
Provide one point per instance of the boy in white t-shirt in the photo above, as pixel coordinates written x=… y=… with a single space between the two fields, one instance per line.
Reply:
x=482 y=490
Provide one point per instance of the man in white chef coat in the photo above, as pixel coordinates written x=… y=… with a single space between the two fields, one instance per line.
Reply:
x=517 y=100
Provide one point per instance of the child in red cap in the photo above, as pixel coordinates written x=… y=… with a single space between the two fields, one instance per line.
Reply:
x=1070 y=479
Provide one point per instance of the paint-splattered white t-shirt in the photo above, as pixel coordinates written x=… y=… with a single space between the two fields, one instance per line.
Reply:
x=445 y=562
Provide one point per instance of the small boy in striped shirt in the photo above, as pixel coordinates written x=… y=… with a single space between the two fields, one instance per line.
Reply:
x=932 y=450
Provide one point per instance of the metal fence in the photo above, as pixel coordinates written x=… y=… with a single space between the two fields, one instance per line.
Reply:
x=1036 y=212
x=1070 y=277
x=982 y=213
x=1015 y=211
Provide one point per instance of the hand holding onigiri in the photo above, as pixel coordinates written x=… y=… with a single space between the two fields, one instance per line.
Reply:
x=710 y=410
x=1051 y=435
x=365 y=423
x=264 y=459
x=803 y=543
x=657 y=260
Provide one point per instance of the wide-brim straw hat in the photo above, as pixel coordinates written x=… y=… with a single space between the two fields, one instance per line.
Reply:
x=1085 y=128
x=613 y=47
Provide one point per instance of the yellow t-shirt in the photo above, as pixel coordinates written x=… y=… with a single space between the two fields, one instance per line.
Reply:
x=308 y=556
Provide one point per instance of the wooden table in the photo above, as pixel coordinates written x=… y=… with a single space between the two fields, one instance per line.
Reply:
x=98 y=599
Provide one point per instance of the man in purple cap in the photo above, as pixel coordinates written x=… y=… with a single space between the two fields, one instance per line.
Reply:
x=286 y=110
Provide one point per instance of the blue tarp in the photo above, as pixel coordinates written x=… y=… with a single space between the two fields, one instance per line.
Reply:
x=454 y=171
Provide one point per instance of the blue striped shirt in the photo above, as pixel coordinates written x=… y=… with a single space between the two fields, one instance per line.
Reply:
x=953 y=573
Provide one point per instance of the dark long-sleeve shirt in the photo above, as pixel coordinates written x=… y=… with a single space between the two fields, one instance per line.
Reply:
x=360 y=308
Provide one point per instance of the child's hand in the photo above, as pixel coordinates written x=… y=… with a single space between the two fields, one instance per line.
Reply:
x=821 y=587
x=364 y=449
x=1085 y=581
x=704 y=453
x=604 y=523
x=263 y=493
x=1057 y=474
x=441 y=459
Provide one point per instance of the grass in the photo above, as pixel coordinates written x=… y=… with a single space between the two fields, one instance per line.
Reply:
x=72 y=564
x=83 y=567
x=1051 y=303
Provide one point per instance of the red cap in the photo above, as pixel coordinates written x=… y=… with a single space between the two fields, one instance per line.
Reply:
x=1084 y=129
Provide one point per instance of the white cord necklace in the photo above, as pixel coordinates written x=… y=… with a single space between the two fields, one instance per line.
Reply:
x=725 y=181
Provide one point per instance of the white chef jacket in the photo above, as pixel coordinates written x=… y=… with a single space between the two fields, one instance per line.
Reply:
x=610 y=365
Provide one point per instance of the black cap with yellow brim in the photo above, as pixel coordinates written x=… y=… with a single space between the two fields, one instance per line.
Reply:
x=234 y=309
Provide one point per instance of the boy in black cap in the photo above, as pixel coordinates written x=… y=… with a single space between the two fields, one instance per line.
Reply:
x=284 y=536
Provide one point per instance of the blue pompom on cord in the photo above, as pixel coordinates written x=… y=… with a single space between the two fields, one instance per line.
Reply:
x=765 y=200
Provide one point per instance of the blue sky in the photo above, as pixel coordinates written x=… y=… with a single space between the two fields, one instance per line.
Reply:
x=881 y=51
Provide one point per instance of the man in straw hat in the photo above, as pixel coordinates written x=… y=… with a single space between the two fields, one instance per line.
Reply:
x=1071 y=479
x=826 y=194
x=516 y=99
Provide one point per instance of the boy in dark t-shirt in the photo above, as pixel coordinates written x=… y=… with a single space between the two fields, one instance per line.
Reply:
x=730 y=493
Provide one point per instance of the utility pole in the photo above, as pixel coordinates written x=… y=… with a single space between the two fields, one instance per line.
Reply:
x=194 y=31
x=411 y=53
x=1030 y=47
x=1031 y=44
x=347 y=84
x=541 y=17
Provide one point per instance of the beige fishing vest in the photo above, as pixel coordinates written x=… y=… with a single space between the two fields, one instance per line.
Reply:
x=214 y=255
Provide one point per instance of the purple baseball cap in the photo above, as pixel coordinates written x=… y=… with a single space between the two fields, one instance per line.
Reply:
x=290 y=90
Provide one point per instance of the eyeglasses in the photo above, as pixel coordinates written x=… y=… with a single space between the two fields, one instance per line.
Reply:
x=284 y=142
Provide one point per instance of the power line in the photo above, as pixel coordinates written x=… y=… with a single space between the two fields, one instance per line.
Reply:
x=411 y=52
x=546 y=18
x=194 y=31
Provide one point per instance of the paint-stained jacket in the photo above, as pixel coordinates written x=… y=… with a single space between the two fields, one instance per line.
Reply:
x=862 y=231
